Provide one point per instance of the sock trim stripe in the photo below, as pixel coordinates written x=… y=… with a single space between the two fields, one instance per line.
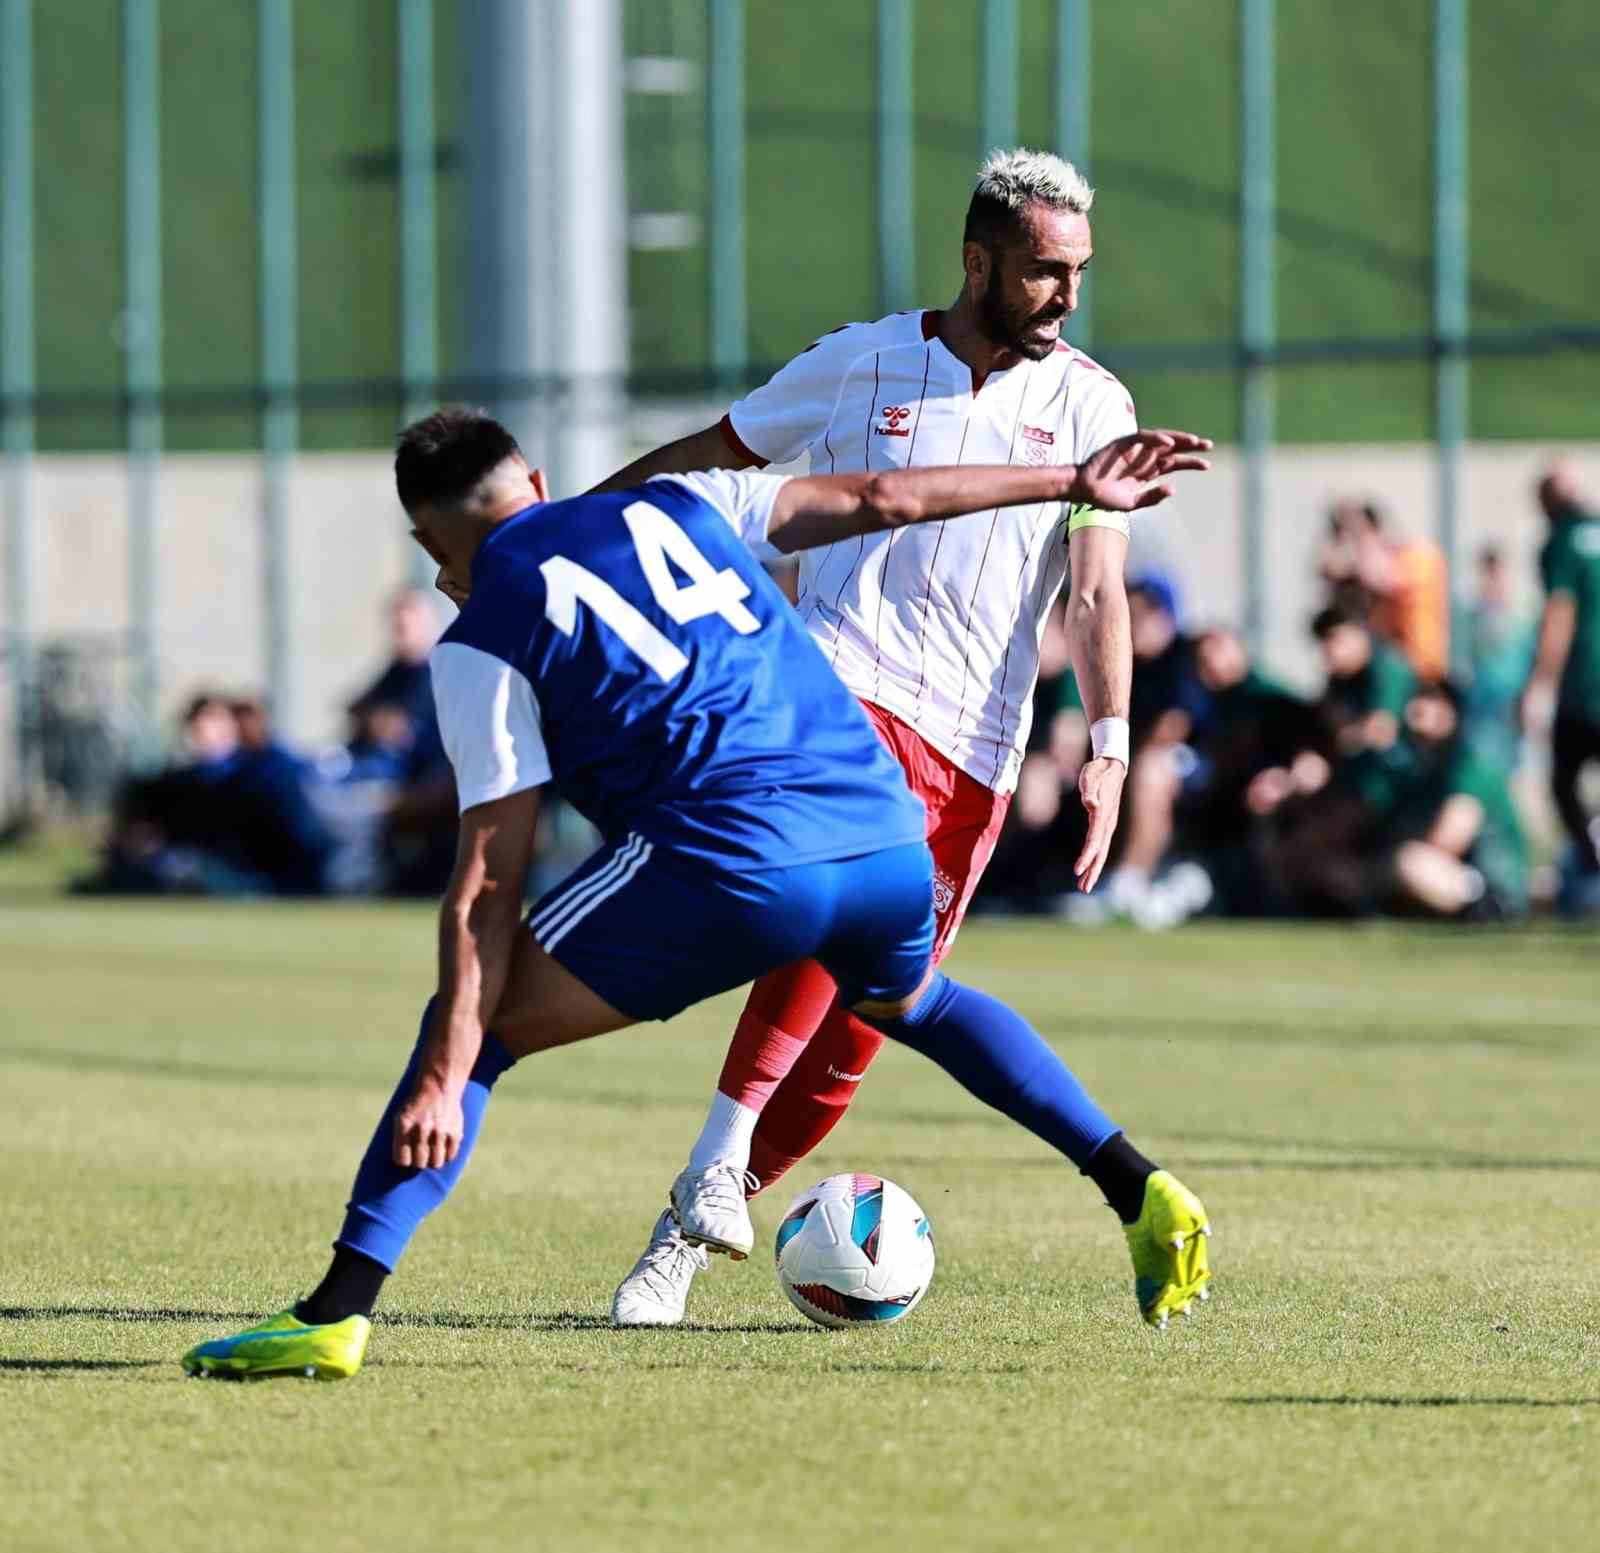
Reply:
x=553 y=936
x=581 y=891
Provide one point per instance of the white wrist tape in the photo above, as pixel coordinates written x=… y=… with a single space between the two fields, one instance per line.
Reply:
x=1108 y=739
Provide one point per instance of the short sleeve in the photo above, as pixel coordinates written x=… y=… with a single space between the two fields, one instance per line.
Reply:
x=1104 y=413
x=743 y=497
x=1558 y=563
x=489 y=724
x=780 y=420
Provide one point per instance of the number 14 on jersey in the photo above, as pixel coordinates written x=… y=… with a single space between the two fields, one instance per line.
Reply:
x=656 y=541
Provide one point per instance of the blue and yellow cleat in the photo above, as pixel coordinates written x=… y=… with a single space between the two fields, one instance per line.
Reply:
x=1168 y=1245
x=285 y=1345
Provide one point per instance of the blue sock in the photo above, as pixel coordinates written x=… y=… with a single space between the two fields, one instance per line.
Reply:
x=388 y=1202
x=995 y=1053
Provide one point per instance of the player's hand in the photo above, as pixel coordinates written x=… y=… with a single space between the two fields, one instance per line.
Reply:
x=1100 y=788
x=428 y=1130
x=1119 y=476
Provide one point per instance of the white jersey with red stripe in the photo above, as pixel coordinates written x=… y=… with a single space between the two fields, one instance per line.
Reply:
x=939 y=623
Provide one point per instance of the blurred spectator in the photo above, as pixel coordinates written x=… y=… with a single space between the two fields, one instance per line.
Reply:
x=1193 y=790
x=1423 y=825
x=1499 y=654
x=229 y=818
x=1368 y=683
x=1404 y=582
x=1566 y=671
x=413 y=624
x=1165 y=689
x=1167 y=699
x=396 y=799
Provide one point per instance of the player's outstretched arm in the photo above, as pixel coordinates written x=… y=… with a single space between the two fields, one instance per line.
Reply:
x=1120 y=477
x=479 y=924
x=706 y=449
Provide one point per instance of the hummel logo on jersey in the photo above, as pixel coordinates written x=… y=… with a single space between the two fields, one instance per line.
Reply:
x=894 y=415
x=840 y=1074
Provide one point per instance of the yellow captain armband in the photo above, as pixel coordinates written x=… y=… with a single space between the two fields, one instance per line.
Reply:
x=1093 y=517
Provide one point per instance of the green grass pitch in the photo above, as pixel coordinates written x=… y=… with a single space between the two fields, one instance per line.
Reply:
x=1393 y=1130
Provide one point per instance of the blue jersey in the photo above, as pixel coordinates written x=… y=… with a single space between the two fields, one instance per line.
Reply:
x=629 y=647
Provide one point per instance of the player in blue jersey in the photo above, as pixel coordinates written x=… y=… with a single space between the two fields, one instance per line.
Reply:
x=629 y=648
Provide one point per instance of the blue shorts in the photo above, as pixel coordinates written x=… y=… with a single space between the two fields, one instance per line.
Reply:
x=652 y=932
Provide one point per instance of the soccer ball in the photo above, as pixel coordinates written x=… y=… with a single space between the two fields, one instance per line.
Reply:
x=854 y=1251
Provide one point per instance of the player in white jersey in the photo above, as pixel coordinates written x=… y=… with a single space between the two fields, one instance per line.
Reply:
x=937 y=631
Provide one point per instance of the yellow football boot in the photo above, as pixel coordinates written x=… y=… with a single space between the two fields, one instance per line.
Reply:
x=1168 y=1245
x=285 y=1345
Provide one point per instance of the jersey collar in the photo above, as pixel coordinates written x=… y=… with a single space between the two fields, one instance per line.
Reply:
x=930 y=333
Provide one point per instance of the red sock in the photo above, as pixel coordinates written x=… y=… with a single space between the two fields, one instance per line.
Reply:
x=808 y=1104
x=780 y=1016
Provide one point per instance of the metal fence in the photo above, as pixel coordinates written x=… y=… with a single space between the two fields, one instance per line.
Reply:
x=539 y=384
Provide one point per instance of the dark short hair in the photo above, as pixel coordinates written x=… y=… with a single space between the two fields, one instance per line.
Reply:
x=991 y=222
x=440 y=458
x=1326 y=621
x=203 y=701
x=1442 y=689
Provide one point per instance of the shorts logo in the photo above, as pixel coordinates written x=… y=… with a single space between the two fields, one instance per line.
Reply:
x=944 y=891
x=1037 y=444
x=894 y=417
x=847 y=1078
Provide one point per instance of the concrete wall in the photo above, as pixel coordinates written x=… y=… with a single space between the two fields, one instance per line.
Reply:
x=349 y=551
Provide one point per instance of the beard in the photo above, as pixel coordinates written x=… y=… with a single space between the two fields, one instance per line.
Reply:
x=1004 y=326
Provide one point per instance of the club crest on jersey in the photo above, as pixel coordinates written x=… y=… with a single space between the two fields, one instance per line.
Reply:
x=944 y=891
x=1037 y=445
x=894 y=421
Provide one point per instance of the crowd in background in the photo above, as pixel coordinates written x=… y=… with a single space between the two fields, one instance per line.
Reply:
x=1389 y=790
x=240 y=813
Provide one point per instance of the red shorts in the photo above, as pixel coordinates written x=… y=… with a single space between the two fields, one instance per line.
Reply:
x=964 y=821
x=793 y=1002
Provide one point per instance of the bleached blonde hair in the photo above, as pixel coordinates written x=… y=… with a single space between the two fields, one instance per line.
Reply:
x=1019 y=178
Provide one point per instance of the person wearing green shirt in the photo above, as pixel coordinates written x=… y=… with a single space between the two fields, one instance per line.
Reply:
x=1566 y=668
x=1445 y=827
x=1422 y=825
x=1368 y=683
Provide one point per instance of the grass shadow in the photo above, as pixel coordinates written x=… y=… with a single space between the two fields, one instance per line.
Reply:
x=55 y=1366
x=119 y=1313
x=1386 y=1401
x=447 y=1320
x=569 y=1321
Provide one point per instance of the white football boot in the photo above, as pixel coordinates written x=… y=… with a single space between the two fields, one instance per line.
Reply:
x=710 y=1206
x=655 y=1292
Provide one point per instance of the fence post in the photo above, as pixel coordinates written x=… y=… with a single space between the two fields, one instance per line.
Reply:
x=17 y=360
x=141 y=343
x=726 y=153
x=280 y=355
x=897 y=214
x=1074 y=98
x=419 y=263
x=1257 y=296
x=1450 y=272
x=998 y=110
